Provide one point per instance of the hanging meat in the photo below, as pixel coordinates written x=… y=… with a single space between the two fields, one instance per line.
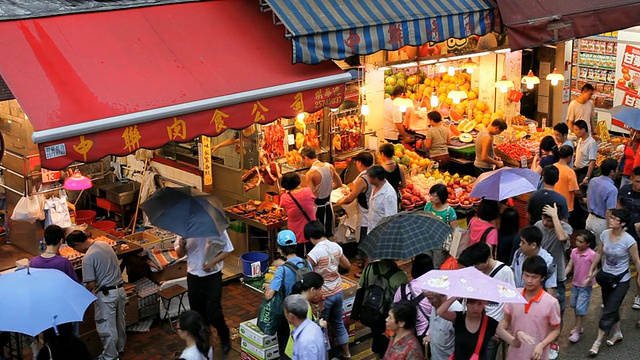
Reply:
x=251 y=179
x=311 y=139
x=273 y=143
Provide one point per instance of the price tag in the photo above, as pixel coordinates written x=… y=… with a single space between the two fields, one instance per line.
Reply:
x=457 y=191
x=523 y=161
x=532 y=128
x=49 y=176
x=256 y=269
x=291 y=139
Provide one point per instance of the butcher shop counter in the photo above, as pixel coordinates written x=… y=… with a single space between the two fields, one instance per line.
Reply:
x=270 y=220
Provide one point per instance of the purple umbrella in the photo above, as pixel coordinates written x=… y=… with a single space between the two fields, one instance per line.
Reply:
x=469 y=283
x=505 y=183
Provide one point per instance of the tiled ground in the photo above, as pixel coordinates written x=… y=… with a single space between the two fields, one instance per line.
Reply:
x=239 y=304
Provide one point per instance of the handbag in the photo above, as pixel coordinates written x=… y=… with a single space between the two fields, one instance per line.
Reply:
x=483 y=330
x=604 y=278
x=271 y=315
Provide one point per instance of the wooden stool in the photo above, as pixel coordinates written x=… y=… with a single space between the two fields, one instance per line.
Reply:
x=169 y=294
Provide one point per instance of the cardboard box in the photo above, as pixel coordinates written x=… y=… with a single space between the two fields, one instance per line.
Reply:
x=347 y=305
x=246 y=356
x=131 y=314
x=250 y=331
x=260 y=353
x=172 y=272
x=92 y=339
x=350 y=290
x=147 y=241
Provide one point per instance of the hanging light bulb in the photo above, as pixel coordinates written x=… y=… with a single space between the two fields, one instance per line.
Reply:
x=301 y=116
x=469 y=66
x=364 y=109
x=504 y=84
x=434 y=99
x=555 y=77
x=530 y=80
x=442 y=69
x=451 y=71
x=457 y=95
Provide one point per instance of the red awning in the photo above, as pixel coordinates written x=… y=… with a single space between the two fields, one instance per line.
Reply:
x=105 y=83
x=536 y=22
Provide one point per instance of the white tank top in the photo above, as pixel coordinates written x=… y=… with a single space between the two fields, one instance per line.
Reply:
x=323 y=190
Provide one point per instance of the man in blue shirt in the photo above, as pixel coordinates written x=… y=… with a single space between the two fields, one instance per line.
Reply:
x=284 y=278
x=602 y=197
x=308 y=339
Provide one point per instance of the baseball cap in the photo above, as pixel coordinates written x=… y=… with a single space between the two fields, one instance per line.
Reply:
x=286 y=238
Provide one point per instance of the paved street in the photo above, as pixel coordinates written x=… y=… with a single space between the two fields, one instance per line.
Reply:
x=628 y=349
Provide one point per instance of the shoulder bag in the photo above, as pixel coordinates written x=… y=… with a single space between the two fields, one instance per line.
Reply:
x=483 y=330
x=304 y=213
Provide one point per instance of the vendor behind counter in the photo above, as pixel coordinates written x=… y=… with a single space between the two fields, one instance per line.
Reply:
x=485 y=156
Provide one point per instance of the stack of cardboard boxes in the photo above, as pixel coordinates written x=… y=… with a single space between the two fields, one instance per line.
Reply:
x=255 y=345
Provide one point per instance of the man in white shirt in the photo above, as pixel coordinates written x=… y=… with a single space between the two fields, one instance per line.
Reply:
x=586 y=153
x=384 y=200
x=581 y=108
x=204 y=279
x=479 y=256
x=393 y=130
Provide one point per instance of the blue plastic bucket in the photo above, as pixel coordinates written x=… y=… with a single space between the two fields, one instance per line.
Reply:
x=253 y=257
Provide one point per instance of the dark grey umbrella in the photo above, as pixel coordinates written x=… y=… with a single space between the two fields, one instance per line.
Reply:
x=404 y=235
x=189 y=215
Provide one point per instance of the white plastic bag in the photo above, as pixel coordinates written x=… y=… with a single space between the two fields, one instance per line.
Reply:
x=58 y=212
x=29 y=209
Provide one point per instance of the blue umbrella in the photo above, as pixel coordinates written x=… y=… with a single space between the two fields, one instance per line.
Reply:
x=628 y=115
x=505 y=183
x=186 y=214
x=34 y=300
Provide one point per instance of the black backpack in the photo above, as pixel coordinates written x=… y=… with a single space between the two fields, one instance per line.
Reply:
x=406 y=291
x=299 y=271
x=377 y=298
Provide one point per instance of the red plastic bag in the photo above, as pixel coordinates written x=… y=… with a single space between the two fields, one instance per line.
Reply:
x=450 y=264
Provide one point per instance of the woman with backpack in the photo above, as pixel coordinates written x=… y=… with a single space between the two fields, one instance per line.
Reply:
x=403 y=345
x=482 y=227
x=310 y=286
x=284 y=278
x=412 y=294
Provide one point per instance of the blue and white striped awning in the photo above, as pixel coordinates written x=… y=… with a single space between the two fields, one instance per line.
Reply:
x=337 y=29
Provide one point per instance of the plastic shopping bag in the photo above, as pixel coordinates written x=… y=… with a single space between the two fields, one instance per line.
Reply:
x=29 y=209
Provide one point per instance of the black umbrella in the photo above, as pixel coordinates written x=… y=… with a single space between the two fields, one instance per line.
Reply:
x=189 y=215
x=404 y=235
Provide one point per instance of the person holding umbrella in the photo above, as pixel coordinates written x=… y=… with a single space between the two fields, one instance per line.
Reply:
x=101 y=275
x=205 y=259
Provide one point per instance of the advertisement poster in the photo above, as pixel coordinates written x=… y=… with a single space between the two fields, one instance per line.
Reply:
x=628 y=81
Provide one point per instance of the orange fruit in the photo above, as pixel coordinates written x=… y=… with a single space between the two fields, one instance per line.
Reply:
x=472 y=95
x=626 y=77
x=451 y=86
x=625 y=70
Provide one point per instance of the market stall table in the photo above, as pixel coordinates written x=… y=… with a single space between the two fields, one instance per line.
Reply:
x=271 y=229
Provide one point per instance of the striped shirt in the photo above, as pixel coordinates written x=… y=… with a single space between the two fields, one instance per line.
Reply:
x=326 y=266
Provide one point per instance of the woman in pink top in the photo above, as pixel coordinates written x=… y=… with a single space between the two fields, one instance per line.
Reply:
x=537 y=323
x=298 y=203
x=485 y=219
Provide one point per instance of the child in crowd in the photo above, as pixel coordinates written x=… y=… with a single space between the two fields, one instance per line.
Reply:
x=580 y=262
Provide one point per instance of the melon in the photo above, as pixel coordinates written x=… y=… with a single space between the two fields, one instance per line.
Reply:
x=479 y=127
x=466 y=137
x=455 y=116
x=466 y=125
x=454 y=130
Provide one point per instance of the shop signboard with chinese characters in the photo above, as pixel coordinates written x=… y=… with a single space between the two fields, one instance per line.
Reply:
x=205 y=165
x=627 y=82
x=154 y=134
